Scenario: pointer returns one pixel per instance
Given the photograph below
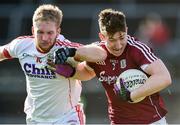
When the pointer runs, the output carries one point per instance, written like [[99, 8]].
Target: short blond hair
[[48, 12]]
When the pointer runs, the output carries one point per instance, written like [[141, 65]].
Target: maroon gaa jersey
[[135, 55]]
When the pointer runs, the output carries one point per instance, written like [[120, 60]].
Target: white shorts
[[162, 121], [74, 116]]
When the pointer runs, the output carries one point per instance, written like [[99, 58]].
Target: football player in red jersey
[[125, 52]]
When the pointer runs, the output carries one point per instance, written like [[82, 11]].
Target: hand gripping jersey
[[135, 55], [49, 96]]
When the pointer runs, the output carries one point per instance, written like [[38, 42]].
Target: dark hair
[[111, 21]]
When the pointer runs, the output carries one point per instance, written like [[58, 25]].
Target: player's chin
[[117, 53], [46, 48]]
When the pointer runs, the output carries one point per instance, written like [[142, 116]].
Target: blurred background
[[155, 22]]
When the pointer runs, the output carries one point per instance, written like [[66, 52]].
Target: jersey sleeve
[[142, 55], [12, 49], [140, 52]]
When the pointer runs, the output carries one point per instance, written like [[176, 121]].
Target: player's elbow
[[102, 55], [167, 79]]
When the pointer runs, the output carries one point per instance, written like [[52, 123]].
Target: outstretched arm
[[160, 78], [90, 53], [84, 72]]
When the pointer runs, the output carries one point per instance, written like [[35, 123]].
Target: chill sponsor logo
[[106, 78], [44, 73]]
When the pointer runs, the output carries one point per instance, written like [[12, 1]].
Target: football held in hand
[[132, 79]]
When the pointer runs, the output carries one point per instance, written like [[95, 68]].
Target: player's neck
[[39, 49]]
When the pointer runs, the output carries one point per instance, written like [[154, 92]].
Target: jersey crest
[[123, 63], [38, 60]]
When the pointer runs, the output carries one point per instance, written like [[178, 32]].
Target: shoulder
[[139, 49], [61, 37], [62, 41], [18, 45], [137, 45], [23, 40]]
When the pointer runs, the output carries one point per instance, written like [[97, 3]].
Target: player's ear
[[126, 29], [101, 36], [59, 30], [32, 30]]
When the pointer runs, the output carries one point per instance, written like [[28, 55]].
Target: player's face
[[116, 43], [45, 33]]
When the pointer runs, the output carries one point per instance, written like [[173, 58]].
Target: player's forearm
[[159, 80], [154, 84], [83, 73], [90, 53]]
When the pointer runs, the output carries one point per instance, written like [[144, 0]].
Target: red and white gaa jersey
[[135, 56], [49, 96]]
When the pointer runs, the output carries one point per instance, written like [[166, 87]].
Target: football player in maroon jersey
[[125, 52]]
